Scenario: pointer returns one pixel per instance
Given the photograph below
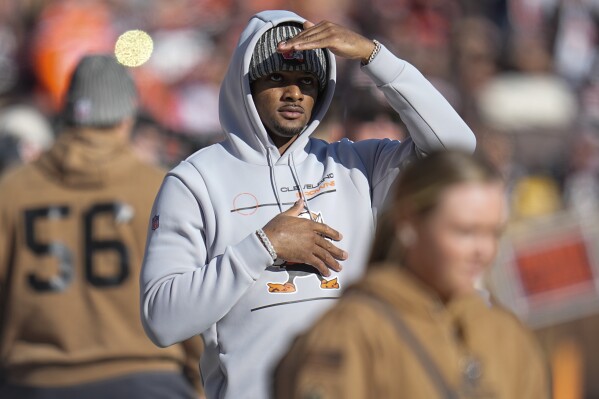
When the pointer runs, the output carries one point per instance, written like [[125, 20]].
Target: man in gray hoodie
[[253, 238]]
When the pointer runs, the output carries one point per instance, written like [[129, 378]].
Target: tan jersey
[[72, 233], [357, 351]]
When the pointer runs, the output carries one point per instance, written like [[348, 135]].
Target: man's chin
[[288, 132]]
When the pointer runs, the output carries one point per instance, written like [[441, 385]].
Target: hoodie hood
[[85, 158], [246, 136]]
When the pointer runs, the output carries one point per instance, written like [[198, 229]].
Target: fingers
[[341, 41], [327, 256], [312, 43], [310, 38], [319, 265], [308, 24], [296, 209], [311, 32], [333, 250], [323, 261], [327, 231]]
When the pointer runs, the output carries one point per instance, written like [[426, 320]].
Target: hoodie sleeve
[[183, 292], [431, 121]]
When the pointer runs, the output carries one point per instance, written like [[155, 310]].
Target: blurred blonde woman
[[415, 326]]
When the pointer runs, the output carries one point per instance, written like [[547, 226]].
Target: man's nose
[[292, 92]]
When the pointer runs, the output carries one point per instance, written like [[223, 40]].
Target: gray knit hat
[[266, 60], [101, 93]]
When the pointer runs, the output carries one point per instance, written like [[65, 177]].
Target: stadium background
[[524, 74]]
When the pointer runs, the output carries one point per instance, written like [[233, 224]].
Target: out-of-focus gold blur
[[133, 48]]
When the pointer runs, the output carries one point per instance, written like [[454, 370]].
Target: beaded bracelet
[[267, 244], [375, 51]]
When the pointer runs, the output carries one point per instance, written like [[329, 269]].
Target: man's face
[[285, 101]]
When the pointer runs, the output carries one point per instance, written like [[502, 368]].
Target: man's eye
[[307, 81], [275, 77]]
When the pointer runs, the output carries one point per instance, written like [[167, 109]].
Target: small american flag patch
[[155, 222]]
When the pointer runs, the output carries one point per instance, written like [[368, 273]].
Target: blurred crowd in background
[[524, 74]]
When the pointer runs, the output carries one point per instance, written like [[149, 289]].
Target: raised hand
[[342, 41], [304, 241]]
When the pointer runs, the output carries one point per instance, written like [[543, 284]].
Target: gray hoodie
[[206, 271]]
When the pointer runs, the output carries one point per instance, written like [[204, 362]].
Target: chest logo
[[245, 204], [300, 270]]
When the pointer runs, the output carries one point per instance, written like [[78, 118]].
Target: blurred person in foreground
[[415, 326], [254, 237], [72, 234]]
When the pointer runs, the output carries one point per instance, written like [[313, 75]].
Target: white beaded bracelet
[[375, 51], [267, 244]]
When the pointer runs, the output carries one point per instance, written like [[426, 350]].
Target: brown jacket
[[72, 235], [354, 350]]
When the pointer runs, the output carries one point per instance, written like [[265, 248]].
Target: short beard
[[286, 132]]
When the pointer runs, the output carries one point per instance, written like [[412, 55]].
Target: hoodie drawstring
[[291, 163], [273, 181]]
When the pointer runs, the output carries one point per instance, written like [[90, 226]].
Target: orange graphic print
[[297, 270]]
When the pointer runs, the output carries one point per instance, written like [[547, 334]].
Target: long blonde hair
[[419, 188]]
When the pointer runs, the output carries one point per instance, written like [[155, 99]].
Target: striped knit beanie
[[101, 93], [266, 60]]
